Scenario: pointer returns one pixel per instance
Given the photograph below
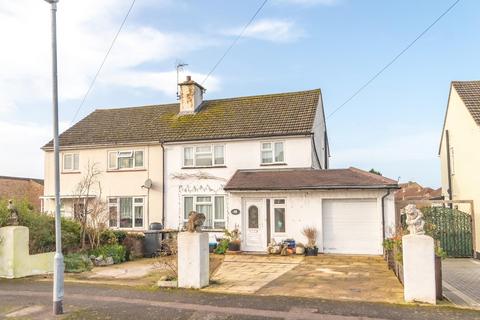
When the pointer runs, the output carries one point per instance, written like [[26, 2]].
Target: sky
[[393, 125]]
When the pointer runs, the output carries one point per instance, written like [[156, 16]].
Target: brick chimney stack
[[191, 96]]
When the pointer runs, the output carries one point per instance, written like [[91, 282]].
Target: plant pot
[[234, 246], [311, 252]]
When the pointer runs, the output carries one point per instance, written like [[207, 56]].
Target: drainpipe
[[449, 167], [383, 212], [163, 184]]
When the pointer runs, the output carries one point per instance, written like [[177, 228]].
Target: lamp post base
[[57, 307]]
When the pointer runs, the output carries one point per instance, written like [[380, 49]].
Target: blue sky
[[393, 125]]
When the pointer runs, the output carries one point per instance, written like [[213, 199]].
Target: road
[[29, 299]]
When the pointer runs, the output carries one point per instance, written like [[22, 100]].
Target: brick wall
[[22, 189]]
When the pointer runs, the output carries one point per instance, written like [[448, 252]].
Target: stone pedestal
[[193, 260], [419, 268]]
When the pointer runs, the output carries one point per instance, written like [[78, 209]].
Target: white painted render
[[126, 183], [464, 136], [305, 208], [239, 154]]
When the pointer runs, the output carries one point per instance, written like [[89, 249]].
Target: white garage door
[[352, 226]]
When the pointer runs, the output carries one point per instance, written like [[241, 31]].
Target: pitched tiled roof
[[266, 115], [301, 179], [469, 92]]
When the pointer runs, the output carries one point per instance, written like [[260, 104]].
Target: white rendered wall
[[113, 182], [239, 154]]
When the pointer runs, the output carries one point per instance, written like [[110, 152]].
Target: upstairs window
[[71, 162], [125, 159], [272, 152], [204, 156]]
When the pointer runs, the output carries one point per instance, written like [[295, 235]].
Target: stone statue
[[13, 217], [415, 222], [195, 221]]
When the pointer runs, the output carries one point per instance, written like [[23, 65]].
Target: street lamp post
[[58, 266]]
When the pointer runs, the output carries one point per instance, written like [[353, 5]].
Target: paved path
[[30, 299], [461, 281]]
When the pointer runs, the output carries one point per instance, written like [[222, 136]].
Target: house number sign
[[235, 212]]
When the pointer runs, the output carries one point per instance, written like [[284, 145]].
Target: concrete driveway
[[360, 278], [461, 281]]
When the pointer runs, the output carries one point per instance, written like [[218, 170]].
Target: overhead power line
[[366, 84], [103, 62], [235, 41]]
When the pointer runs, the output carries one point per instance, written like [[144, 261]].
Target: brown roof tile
[[300, 179], [266, 115], [469, 92]]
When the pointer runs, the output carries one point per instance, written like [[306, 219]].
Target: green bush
[[42, 228], [120, 235], [108, 237], [222, 247], [77, 262], [116, 251]]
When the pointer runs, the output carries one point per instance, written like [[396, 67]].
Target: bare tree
[[87, 203]]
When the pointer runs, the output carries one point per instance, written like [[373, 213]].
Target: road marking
[[466, 298], [292, 314], [23, 312]]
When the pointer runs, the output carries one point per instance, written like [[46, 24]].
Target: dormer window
[[272, 152], [204, 156], [125, 159]]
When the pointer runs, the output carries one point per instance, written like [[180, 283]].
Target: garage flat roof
[[307, 178]]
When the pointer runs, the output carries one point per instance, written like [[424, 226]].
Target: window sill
[[210, 167], [273, 164], [71, 172], [127, 170]]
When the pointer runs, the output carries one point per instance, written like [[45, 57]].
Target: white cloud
[[275, 30], [85, 30], [21, 144]]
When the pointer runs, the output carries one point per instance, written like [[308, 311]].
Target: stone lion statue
[[195, 221], [415, 222], [13, 216]]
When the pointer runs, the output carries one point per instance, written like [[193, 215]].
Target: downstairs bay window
[[213, 207], [126, 212]]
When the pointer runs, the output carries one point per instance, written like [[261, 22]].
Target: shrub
[[42, 228], [116, 251], [222, 247], [120, 235], [108, 237], [77, 262]]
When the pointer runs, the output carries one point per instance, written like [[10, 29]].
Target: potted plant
[[311, 248], [233, 238]]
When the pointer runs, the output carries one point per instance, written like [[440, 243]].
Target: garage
[[352, 226]]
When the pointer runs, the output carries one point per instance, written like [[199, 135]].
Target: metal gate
[[451, 227]]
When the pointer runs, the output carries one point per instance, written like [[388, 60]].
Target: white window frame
[[212, 203], [125, 154], [211, 152], [73, 155], [134, 204], [278, 206], [272, 150]]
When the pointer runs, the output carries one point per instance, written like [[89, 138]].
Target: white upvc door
[[254, 221]]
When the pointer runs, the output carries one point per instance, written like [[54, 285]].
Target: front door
[[255, 225]]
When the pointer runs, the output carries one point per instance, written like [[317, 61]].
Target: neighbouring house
[[459, 153], [258, 163], [17, 188], [414, 191]]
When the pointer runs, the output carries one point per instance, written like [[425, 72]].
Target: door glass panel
[[279, 219], [253, 217]]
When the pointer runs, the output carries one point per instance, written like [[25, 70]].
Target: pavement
[[461, 281], [31, 299], [345, 277]]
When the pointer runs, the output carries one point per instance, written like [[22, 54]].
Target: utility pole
[[58, 266]]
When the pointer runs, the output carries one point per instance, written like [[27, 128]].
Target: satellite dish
[[147, 184]]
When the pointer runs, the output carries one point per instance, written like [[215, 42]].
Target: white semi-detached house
[[257, 163]]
